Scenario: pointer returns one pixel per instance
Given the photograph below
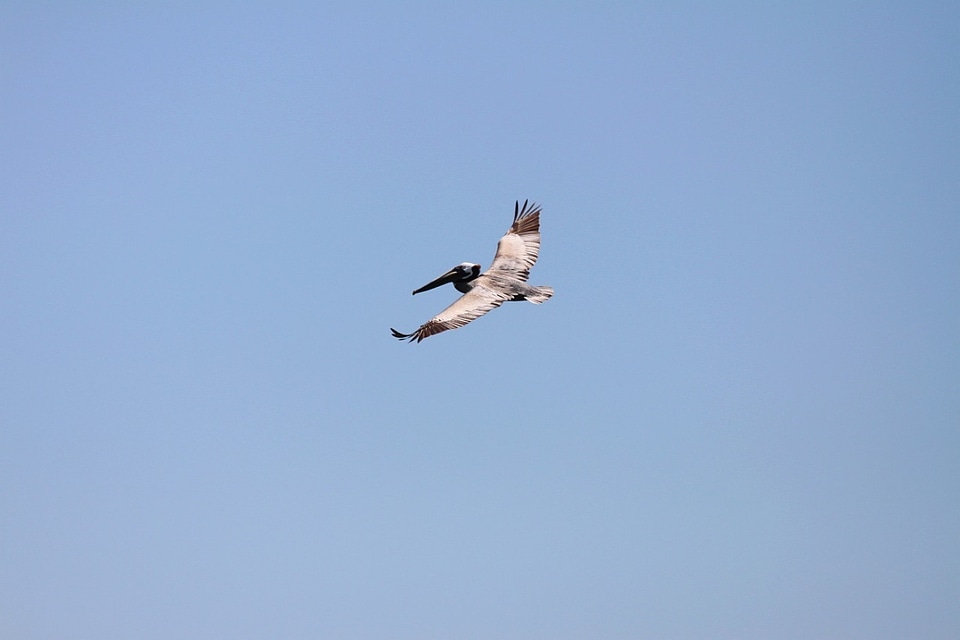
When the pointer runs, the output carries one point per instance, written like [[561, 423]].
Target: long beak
[[444, 279]]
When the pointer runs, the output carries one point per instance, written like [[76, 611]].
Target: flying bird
[[505, 280]]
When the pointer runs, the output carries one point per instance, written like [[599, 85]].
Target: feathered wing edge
[[465, 309], [525, 215], [519, 248], [402, 336]]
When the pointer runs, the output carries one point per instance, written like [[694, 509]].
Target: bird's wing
[[467, 308], [517, 251]]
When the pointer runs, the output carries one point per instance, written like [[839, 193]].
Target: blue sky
[[738, 417]]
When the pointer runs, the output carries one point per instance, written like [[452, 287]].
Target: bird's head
[[463, 272]]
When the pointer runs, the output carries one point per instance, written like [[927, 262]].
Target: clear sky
[[739, 416]]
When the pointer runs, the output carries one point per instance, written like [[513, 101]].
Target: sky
[[738, 417]]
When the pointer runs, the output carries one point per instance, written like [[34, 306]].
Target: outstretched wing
[[517, 251], [467, 308]]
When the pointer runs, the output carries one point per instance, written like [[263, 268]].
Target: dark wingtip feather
[[409, 337], [528, 209]]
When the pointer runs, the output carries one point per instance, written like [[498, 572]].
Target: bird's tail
[[540, 294]]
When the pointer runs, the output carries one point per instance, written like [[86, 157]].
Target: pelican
[[505, 280]]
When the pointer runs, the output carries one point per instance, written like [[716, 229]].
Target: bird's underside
[[505, 280]]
